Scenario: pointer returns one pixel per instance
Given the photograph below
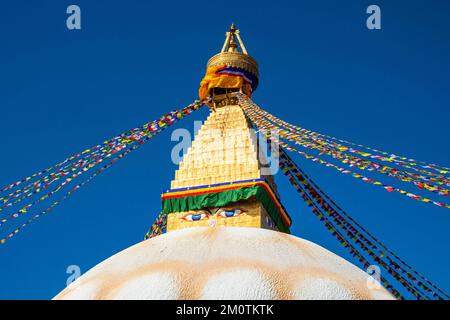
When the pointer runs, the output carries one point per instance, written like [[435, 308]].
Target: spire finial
[[230, 44]]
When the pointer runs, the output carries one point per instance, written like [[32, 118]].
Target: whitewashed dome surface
[[224, 263]]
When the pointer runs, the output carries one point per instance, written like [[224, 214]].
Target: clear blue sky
[[62, 91]]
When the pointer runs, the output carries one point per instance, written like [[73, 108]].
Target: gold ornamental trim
[[234, 59]]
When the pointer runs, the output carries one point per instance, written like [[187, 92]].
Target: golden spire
[[224, 156], [231, 55]]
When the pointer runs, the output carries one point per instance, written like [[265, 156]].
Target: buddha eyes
[[229, 213], [202, 215], [196, 217]]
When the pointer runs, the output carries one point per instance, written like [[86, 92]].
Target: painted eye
[[229, 213], [196, 216]]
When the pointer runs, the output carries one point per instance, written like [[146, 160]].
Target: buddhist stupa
[[228, 234]]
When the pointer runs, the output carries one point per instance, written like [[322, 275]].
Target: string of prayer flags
[[335, 233], [388, 188], [325, 212], [151, 129], [158, 227], [359, 163], [382, 256], [313, 202], [263, 126], [385, 156], [411, 273], [88, 157], [337, 152]]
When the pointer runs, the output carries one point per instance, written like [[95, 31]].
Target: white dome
[[224, 263]]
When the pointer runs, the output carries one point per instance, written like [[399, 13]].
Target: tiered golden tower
[[221, 180]]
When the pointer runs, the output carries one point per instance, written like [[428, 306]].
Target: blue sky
[[62, 91]]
